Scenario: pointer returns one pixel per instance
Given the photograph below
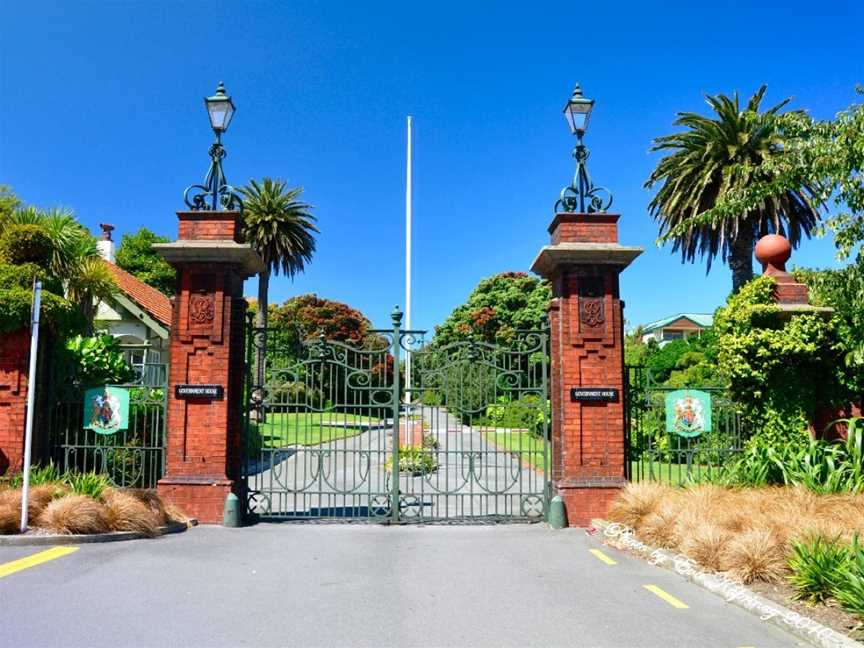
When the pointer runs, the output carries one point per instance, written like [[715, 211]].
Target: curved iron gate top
[[330, 423]]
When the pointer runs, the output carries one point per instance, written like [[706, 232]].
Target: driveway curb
[[116, 536], [772, 612]]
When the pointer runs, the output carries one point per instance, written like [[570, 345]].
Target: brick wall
[[14, 366]]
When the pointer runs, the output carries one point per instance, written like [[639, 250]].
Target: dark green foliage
[[822, 466], [817, 568], [97, 360], [25, 243], [780, 368], [496, 309], [137, 257], [56, 313], [526, 413]]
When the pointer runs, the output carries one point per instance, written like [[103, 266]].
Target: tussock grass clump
[[74, 514], [748, 532], [636, 501], [10, 519], [756, 554], [152, 501], [127, 513]]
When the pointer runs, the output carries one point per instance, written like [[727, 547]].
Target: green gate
[[133, 457], [329, 424], [657, 454]]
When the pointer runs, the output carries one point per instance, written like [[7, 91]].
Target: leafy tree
[[137, 257], [842, 290], [304, 316], [281, 229], [496, 309], [724, 156]]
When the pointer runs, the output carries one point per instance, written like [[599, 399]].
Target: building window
[[672, 335]]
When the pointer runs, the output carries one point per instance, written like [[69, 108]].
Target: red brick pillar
[[207, 349], [14, 367], [586, 317]]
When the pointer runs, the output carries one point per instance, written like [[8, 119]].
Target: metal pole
[[408, 265], [31, 398]]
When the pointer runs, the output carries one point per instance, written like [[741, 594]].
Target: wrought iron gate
[[654, 454], [329, 424], [133, 457]]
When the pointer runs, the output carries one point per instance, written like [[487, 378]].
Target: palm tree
[[281, 229], [719, 159]]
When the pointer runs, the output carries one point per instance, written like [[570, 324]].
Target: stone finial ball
[[773, 250]]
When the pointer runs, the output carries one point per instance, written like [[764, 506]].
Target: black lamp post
[[581, 195], [215, 193]]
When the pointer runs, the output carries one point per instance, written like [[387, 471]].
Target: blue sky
[[101, 111]]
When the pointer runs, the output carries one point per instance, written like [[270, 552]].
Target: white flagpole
[[408, 264], [31, 400]]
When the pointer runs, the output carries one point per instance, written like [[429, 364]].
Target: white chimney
[[106, 245]]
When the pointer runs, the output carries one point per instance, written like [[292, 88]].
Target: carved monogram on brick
[[201, 309], [592, 312]]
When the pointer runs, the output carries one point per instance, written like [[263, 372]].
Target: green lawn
[[664, 472], [530, 447], [312, 428]]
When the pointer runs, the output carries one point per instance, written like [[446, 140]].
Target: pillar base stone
[[584, 503], [199, 497]]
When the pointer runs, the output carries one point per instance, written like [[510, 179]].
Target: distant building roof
[[703, 320], [147, 297]]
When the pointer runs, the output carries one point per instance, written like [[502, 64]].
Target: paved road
[[347, 477], [362, 585]]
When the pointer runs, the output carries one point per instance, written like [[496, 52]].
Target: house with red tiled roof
[[138, 315]]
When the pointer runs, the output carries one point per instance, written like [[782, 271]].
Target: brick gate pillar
[[586, 317], [207, 350]]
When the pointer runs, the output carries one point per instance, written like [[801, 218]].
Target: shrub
[[817, 566], [74, 514], [89, 484], [430, 442], [415, 461], [98, 360], [525, 413], [26, 243]]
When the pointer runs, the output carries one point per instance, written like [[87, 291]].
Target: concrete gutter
[[115, 536]]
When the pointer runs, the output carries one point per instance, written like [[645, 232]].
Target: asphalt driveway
[[298, 584]]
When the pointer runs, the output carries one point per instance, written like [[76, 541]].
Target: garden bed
[[788, 544], [78, 504]]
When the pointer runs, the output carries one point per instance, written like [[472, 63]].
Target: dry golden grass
[[175, 514], [745, 531], [637, 501], [756, 554], [152, 501], [10, 519], [75, 514], [127, 513]]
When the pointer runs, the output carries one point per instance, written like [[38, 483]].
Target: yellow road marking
[[35, 559], [602, 557], [671, 600]]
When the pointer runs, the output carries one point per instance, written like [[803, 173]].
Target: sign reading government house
[[199, 392]]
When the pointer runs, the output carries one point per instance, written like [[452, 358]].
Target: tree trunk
[[741, 257], [261, 338]]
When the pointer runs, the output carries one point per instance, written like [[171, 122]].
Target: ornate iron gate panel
[[654, 454], [330, 423], [131, 458]]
